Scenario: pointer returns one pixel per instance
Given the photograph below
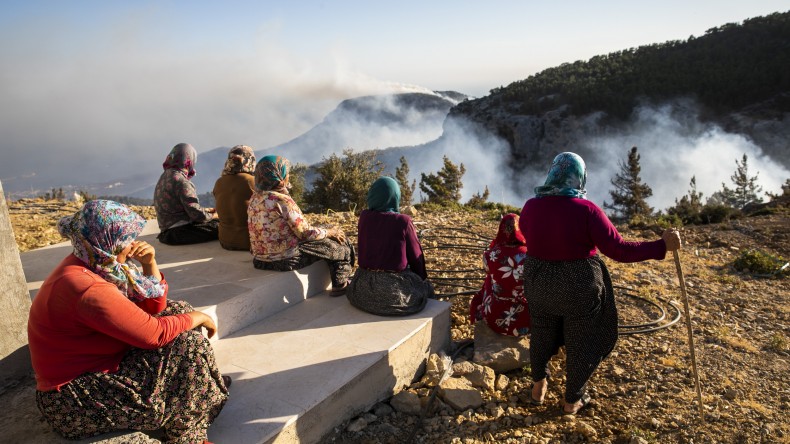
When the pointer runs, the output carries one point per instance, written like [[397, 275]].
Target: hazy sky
[[102, 89]]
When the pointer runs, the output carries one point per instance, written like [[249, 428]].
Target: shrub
[[713, 213], [761, 263]]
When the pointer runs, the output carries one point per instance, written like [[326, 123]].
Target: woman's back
[[232, 195]]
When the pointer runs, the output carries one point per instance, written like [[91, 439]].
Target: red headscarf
[[501, 302]]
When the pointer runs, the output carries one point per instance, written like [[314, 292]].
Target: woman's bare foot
[[539, 389]]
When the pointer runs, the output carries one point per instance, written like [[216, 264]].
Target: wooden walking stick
[[691, 334]]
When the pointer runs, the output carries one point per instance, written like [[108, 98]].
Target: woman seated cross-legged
[[181, 219], [391, 279], [232, 192], [281, 239], [109, 351]]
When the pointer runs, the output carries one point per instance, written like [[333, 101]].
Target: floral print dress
[[277, 226], [501, 302]]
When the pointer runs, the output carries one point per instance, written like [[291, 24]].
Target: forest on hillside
[[731, 66]]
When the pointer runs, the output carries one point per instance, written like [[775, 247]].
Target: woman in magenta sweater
[[568, 287], [391, 279], [109, 351]]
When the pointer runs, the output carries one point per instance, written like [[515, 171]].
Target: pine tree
[[297, 180], [629, 194], [342, 184], [406, 189], [746, 188], [479, 199], [689, 207], [444, 187]]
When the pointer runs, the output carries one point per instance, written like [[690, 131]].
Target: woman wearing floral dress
[[501, 303], [281, 239], [181, 218], [109, 351]]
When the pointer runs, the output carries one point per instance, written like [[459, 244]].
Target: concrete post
[[14, 305]]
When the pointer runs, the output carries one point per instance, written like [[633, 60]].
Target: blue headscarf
[[101, 230], [567, 177], [271, 174], [384, 195]]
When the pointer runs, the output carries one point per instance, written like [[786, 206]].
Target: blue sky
[[85, 83]]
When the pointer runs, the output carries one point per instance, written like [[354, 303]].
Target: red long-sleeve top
[[388, 241], [81, 323], [559, 228]]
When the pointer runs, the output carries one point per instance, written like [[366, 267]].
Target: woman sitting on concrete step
[[110, 352], [181, 219], [391, 279], [281, 239], [232, 192]]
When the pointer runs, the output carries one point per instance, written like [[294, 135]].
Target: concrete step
[[305, 370], [302, 362], [222, 283]]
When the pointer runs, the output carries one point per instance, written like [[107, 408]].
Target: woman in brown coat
[[232, 193]]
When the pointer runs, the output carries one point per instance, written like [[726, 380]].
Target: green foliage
[[444, 187], [669, 221], [342, 183], [758, 262], [629, 193], [785, 192], [714, 213], [296, 178], [729, 67], [54, 195], [689, 208], [406, 189], [746, 187], [479, 200]]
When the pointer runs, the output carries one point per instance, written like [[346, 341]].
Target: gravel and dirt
[[643, 393]]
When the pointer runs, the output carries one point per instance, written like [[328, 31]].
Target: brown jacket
[[232, 194]]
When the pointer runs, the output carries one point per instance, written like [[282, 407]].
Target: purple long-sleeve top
[[559, 228], [388, 241]]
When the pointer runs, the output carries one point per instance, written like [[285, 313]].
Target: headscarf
[[182, 157], [384, 195], [271, 174], [567, 177], [509, 234], [241, 159], [101, 230]]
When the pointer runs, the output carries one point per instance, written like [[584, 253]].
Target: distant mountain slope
[[361, 123]]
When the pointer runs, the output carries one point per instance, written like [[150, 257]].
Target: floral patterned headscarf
[[241, 159], [182, 157], [567, 177], [271, 174], [101, 230], [384, 195]]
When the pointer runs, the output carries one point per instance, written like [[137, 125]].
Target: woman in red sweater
[[109, 351], [391, 279], [568, 287]]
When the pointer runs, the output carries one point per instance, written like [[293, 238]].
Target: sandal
[[532, 400], [585, 402], [339, 291], [227, 380]]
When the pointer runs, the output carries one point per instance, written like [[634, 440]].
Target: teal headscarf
[[384, 195], [567, 177], [271, 174]]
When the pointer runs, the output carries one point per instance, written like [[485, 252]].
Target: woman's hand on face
[[142, 252], [671, 238]]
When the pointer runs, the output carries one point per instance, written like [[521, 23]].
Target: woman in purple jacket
[[568, 287], [391, 279]]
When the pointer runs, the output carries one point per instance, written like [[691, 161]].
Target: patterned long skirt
[[572, 303], [339, 257], [387, 293], [177, 387]]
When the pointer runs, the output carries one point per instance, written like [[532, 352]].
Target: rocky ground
[[643, 393]]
